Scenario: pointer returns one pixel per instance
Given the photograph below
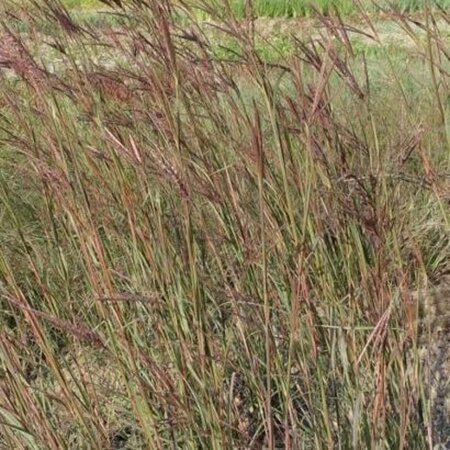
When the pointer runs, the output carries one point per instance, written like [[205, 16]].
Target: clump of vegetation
[[205, 251]]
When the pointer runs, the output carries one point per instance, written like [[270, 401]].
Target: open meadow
[[224, 224]]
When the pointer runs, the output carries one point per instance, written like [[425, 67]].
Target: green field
[[281, 8], [217, 234], [276, 8], [86, 4]]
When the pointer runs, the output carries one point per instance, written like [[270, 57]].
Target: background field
[[288, 8], [87, 4], [274, 8]]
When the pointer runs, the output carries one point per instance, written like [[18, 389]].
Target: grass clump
[[209, 252]]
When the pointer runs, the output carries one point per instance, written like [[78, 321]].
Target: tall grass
[[205, 253]]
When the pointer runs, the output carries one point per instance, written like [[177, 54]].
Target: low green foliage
[[83, 4], [293, 8]]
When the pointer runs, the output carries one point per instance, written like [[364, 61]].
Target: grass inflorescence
[[206, 243]]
